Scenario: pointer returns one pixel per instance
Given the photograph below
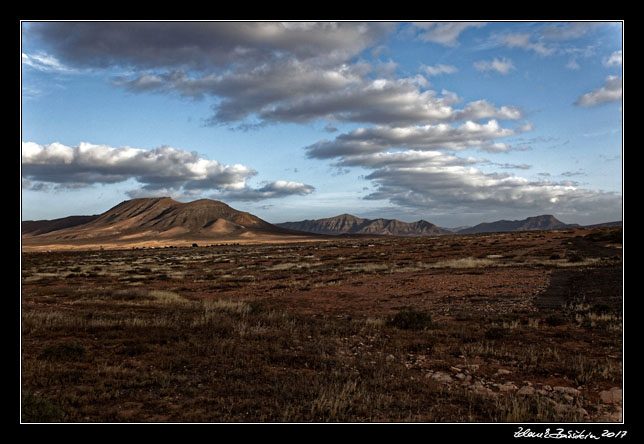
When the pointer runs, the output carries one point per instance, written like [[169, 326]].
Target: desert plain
[[507, 327]]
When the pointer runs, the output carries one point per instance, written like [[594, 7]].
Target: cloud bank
[[164, 170], [264, 72], [610, 92], [258, 73], [426, 137]]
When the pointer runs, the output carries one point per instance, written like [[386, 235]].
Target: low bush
[[495, 333], [37, 409], [410, 319], [63, 352]]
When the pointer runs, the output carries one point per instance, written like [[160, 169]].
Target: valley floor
[[505, 328]]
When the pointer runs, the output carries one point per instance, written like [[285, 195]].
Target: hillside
[[155, 222], [36, 227], [348, 224], [544, 222]]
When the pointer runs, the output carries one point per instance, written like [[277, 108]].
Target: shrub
[[555, 320], [37, 409], [601, 309], [410, 319], [575, 257], [64, 351], [495, 333]]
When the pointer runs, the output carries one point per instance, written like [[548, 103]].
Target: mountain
[[163, 221], [544, 222], [348, 224], [154, 222], [35, 227], [617, 223]]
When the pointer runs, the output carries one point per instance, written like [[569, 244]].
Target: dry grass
[[251, 334]]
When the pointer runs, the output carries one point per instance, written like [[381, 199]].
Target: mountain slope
[[348, 224], [36, 227], [157, 221], [544, 222]]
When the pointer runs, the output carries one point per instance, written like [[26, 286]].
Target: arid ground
[[505, 327]]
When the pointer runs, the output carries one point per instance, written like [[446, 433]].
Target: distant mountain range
[[163, 221], [544, 222], [348, 224]]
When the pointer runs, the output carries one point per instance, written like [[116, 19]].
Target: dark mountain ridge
[[36, 227], [348, 224], [543, 222]]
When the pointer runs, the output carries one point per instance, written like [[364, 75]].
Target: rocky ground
[[501, 327]]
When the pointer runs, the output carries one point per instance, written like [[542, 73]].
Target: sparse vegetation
[[411, 319], [403, 330]]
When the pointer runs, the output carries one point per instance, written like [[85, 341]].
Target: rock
[[507, 387], [612, 396], [526, 390], [472, 367], [567, 390], [478, 387], [442, 377], [615, 416], [503, 371], [561, 408]]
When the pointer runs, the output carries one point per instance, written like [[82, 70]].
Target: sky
[[456, 123]]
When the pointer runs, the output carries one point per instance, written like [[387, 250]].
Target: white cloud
[[163, 166], [259, 73], [269, 190], [444, 33], [573, 64], [407, 158], [502, 66], [165, 170], [296, 92], [524, 41], [44, 62], [385, 101], [439, 69], [610, 92], [615, 59], [410, 170], [445, 185], [441, 136], [567, 30]]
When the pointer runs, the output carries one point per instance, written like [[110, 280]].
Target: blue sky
[[453, 122]]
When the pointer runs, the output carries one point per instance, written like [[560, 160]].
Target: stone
[[472, 367], [614, 416], [612, 396], [507, 387], [477, 386], [526, 390], [442, 377], [567, 390]]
